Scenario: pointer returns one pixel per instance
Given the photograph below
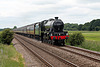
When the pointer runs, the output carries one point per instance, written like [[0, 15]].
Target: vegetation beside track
[[0, 32], [9, 57], [92, 40], [6, 36], [91, 45]]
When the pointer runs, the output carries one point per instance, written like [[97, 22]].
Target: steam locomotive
[[49, 31]]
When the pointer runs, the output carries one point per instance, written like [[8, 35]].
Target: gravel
[[82, 52], [30, 60], [79, 60]]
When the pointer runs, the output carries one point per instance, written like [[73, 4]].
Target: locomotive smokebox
[[58, 25]]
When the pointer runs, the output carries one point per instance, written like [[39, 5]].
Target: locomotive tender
[[49, 31]]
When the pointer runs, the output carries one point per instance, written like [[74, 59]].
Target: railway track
[[83, 52], [88, 56], [36, 54], [61, 60]]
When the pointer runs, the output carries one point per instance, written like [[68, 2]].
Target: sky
[[24, 12]]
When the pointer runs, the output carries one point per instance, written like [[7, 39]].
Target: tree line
[[93, 25], [9, 28], [1, 29]]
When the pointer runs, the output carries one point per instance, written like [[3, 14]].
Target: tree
[[86, 26], [1, 29], [15, 27], [97, 28], [7, 36], [80, 27], [69, 26], [94, 24]]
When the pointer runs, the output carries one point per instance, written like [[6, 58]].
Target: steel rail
[[85, 50], [56, 56], [88, 51], [36, 54]]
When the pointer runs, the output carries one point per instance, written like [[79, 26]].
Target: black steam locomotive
[[49, 31]]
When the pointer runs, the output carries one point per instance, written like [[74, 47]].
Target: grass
[[90, 35], [9, 57], [0, 32], [92, 40], [91, 45]]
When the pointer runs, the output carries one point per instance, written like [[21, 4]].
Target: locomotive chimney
[[56, 18]]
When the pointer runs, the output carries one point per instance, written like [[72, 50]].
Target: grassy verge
[[91, 45], [9, 57], [0, 31], [92, 40]]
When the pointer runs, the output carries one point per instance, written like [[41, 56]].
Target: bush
[[0, 38], [76, 39], [6, 36]]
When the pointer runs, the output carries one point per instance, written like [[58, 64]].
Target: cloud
[[88, 1], [24, 12], [43, 2]]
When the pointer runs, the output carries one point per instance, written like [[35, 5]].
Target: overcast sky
[[23, 12]]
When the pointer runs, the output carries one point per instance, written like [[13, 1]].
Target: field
[[90, 35], [9, 57], [92, 40]]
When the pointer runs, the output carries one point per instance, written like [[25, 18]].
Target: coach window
[[37, 29]]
